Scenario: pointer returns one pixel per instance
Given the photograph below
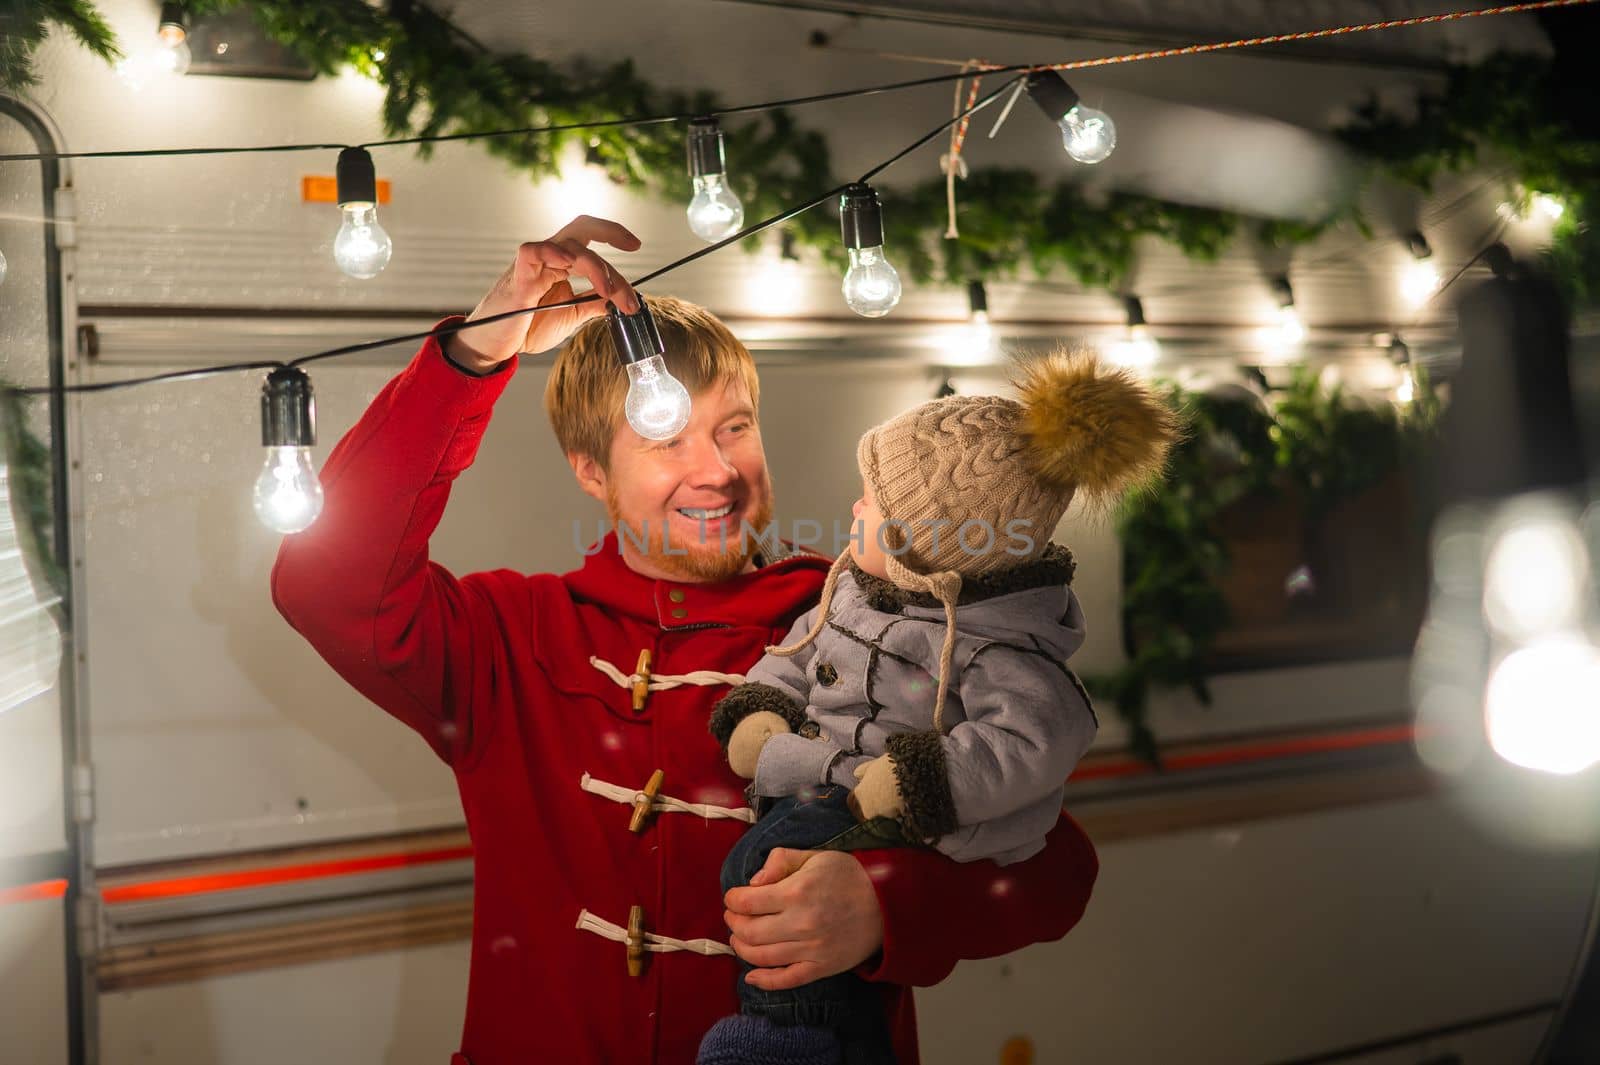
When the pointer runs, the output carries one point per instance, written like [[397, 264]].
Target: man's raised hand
[[539, 276]]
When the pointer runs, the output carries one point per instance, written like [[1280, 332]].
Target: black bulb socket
[[288, 409], [1134, 309], [1052, 93], [356, 178], [1417, 245], [174, 25], [705, 148], [1283, 292], [860, 217], [977, 298], [635, 336]]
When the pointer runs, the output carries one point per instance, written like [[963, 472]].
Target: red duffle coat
[[493, 670]]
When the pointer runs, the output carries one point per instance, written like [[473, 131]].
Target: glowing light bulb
[[1536, 577], [1547, 205], [1406, 391], [1419, 280], [658, 405], [871, 285], [1539, 706], [1088, 135], [288, 495], [715, 212], [361, 248], [172, 59]]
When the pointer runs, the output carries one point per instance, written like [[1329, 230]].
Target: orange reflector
[[45, 889], [324, 188], [283, 874]]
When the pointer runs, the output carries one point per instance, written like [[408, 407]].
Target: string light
[[361, 248], [173, 33], [657, 405], [1088, 135], [1137, 349], [288, 495], [871, 285], [981, 332], [714, 212], [169, 54], [1288, 331], [1420, 279]]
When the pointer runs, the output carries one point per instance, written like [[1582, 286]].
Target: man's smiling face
[[690, 493]]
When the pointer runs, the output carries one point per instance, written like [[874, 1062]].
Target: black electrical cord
[[935, 79], [456, 327]]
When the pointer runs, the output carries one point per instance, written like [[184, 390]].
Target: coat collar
[[1054, 567], [785, 583]]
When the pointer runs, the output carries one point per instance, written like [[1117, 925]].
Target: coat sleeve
[[1027, 724], [358, 584], [937, 912]]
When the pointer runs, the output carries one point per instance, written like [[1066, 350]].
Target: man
[[595, 939]]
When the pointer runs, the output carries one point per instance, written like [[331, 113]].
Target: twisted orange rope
[[952, 161], [1303, 35]]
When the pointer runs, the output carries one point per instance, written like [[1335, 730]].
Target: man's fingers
[[782, 979], [773, 955], [770, 928], [540, 254], [755, 901], [602, 276], [586, 228]]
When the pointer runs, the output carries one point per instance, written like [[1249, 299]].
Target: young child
[[926, 700]]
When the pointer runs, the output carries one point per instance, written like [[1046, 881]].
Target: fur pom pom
[[1092, 427]]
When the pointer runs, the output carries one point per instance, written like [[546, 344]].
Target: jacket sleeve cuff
[[468, 392], [746, 699], [919, 771]]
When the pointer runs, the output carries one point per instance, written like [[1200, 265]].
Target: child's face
[[868, 552]]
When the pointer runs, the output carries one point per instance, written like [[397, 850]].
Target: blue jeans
[[844, 1002]]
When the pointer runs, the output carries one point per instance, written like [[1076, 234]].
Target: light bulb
[[1548, 205], [1406, 391], [288, 494], [1419, 280], [362, 248], [715, 212], [871, 286], [1539, 706], [172, 59], [1536, 577], [658, 405], [1088, 135], [1137, 350]]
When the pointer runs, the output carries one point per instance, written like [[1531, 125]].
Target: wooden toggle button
[[636, 941], [641, 686], [642, 805]]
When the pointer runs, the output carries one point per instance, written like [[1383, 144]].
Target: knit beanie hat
[[950, 477]]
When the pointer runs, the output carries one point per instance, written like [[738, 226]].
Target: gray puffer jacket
[[1017, 720]]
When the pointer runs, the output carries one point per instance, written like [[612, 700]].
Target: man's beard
[[698, 561]]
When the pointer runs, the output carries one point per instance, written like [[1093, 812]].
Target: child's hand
[[749, 736], [877, 792]]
